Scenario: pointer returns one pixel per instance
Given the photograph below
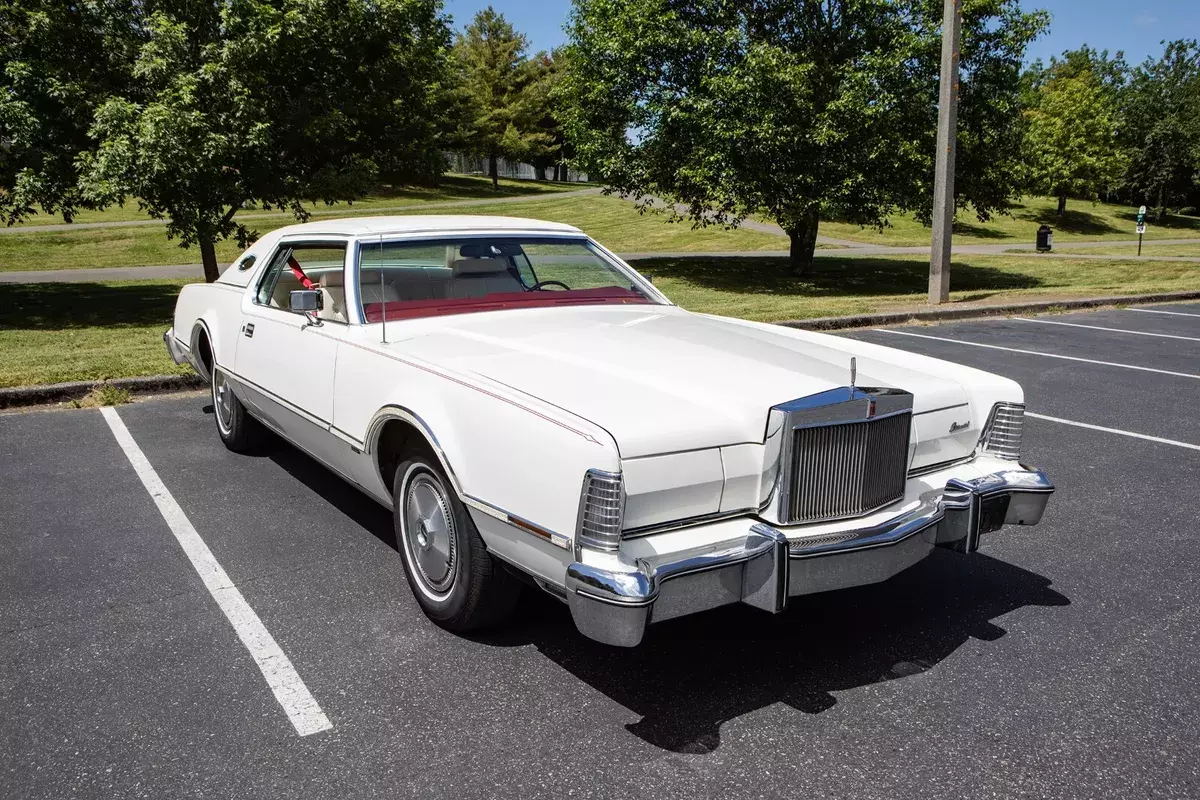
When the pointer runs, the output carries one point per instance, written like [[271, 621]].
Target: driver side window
[[323, 265]]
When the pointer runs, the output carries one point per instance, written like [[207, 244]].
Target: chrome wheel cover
[[222, 400], [429, 535]]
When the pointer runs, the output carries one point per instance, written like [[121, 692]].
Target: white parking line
[[1099, 328], [1156, 311], [1113, 430], [298, 703], [1036, 353]]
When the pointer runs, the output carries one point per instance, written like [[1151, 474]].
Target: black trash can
[[1045, 239]]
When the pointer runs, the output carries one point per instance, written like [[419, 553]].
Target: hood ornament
[[853, 370]]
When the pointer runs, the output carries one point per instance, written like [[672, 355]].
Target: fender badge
[[959, 426]]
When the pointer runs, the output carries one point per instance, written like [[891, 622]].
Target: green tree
[[795, 110], [1072, 138], [268, 104], [493, 74], [1162, 126], [59, 62], [539, 102]]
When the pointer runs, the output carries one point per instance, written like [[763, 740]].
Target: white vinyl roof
[[422, 223]]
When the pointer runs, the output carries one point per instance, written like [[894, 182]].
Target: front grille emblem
[[871, 408]]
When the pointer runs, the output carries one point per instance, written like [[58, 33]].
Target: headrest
[[487, 249], [479, 266], [332, 278]]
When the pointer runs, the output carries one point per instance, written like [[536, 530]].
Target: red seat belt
[[299, 273]]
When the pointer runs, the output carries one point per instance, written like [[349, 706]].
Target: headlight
[[601, 510], [1002, 435]]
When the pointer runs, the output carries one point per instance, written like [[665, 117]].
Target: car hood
[[660, 379]]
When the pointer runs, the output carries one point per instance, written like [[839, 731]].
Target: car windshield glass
[[407, 279]]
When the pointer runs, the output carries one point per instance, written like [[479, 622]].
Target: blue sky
[[1135, 26]]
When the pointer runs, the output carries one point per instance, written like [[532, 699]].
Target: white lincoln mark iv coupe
[[532, 408]]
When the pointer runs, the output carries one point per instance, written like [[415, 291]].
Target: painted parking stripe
[[1036, 353], [1113, 430], [298, 703], [1156, 311], [1099, 328]]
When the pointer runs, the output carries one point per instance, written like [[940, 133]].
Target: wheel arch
[[396, 431], [203, 350]]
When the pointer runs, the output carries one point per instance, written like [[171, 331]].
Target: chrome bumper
[[178, 351], [766, 566]]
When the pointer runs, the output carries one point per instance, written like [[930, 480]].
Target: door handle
[[248, 329]]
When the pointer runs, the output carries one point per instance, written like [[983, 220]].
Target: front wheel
[[455, 580], [239, 431]]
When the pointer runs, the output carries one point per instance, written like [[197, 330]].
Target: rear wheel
[[453, 577], [239, 431]]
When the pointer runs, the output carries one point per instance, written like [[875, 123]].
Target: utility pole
[[943, 178]]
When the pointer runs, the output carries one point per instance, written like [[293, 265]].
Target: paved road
[[342, 211], [1059, 662]]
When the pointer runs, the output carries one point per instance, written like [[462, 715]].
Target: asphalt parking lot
[[1060, 661]]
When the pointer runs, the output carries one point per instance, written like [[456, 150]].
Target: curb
[[60, 392], [979, 312]]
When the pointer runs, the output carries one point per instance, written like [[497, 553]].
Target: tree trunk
[[560, 172], [539, 172], [493, 171], [1062, 204], [803, 242], [1161, 210], [208, 256]]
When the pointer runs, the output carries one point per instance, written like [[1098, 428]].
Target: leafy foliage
[[494, 74], [213, 107], [1072, 137], [1162, 126], [798, 110], [60, 60]]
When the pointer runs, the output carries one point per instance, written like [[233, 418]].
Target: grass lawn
[[1149, 248], [1082, 222], [452, 187], [761, 289], [90, 331], [54, 332], [612, 221]]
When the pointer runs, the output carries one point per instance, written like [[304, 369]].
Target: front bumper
[[764, 566]]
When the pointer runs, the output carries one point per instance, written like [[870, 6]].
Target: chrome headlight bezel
[[601, 511], [1001, 437]]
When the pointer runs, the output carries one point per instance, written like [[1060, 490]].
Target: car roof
[[423, 223]]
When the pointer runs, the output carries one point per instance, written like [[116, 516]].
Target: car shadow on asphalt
[[692, 675]]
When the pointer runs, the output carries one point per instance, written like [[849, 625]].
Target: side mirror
[[306, 301]]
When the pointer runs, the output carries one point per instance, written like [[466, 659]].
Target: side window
[[323, 266]]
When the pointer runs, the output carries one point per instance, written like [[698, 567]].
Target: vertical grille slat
[[848, 469]]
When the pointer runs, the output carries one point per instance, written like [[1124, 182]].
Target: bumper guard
[[765, 567]]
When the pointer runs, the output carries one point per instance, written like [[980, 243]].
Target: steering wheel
[[538, 286]]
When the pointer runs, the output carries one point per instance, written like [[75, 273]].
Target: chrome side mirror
[[305, 301]]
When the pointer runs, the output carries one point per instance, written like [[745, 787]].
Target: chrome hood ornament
[[853, 370]]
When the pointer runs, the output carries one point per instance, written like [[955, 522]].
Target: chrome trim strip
[[684, 522], [295, 409], [943, 408], [916, 472]]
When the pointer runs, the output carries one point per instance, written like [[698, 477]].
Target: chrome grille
[[848, 469]]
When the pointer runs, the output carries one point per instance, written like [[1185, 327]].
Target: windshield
[[455, 276]]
